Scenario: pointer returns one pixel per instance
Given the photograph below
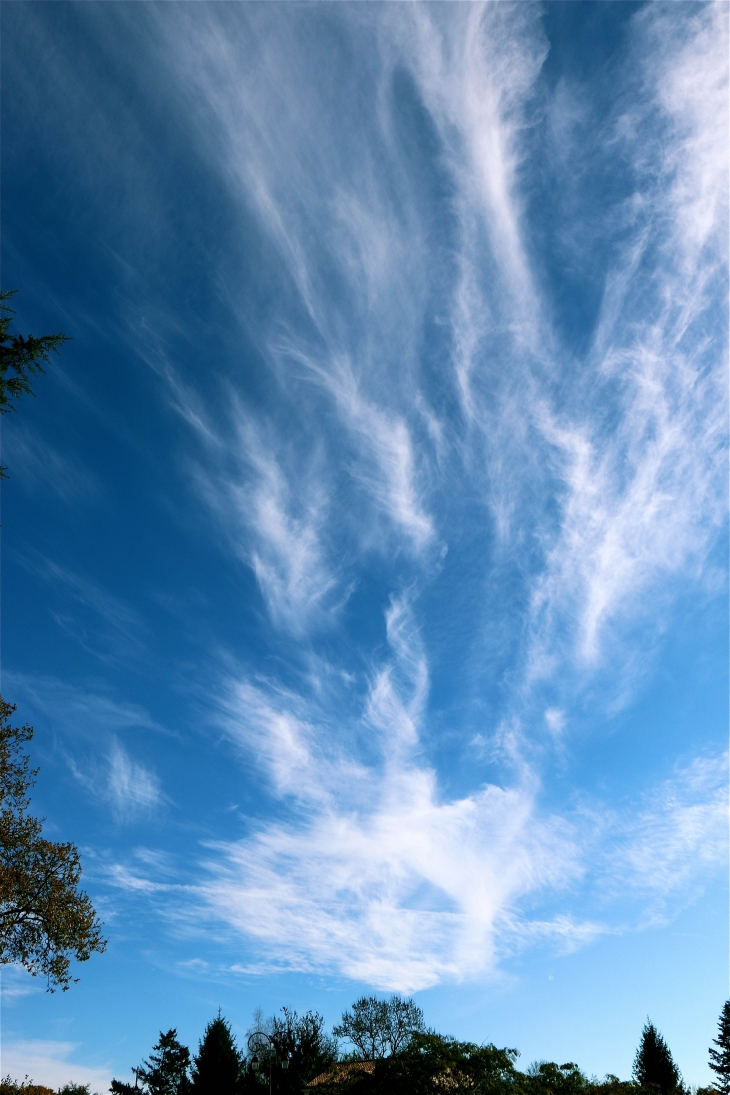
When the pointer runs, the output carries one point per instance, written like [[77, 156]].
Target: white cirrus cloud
[[131, 787], [389, 464], [286, 550], [380, 876], [360, 344], [77, 710], [38, 465], [476, 69], [272, 510], [602, 469], [641, 450], [679, 835], [102, 623], [128, 787]]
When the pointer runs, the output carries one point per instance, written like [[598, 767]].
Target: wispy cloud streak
[[422, 403], [679, 836], [381, 877], [644, 496], [273, 516]]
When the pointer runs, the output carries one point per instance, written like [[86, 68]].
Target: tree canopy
[[45, 918], [8, 1086], [720, 1057], [380, 1028], [303, 1042], [432, 1062], [425, 1063]]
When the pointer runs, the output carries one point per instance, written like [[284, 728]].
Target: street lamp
[[261, 1045]]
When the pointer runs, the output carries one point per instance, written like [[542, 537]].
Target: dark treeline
[[383, 1047]]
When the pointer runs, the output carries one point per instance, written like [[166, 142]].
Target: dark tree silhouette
[[547, 1078], [21, 356], [380, 1028], [720, 1057], [9, 1086], [217, 1064], [429, 1064], [653, 1064], [166, 1072], [304, 1043]]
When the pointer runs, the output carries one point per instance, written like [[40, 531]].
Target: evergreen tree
[[653, 1064], [20, 358], [166, 1072], [720, 1057], [217, 1064]]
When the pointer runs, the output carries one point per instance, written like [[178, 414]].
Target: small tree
[[20, 358], [166, 1072], [653, 1064], [547, 1078], [217, 1064], [380, 1028], [304, 1043], [45, 919], [720, 1057]]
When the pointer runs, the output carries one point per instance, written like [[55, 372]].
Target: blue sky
[[364, 561]]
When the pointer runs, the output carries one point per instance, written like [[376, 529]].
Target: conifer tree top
[[720, 1057], [217, 1064], [653, 1064]]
